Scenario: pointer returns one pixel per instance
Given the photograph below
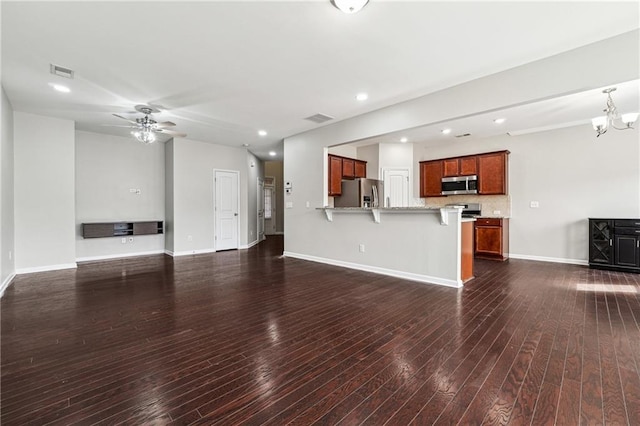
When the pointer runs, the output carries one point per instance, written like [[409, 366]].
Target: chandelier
[[613, 118]]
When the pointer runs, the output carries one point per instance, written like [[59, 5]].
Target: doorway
[[396, 187], [269, 205], [261, 215], [226, 207]]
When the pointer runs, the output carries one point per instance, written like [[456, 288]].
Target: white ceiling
[[223, 70]]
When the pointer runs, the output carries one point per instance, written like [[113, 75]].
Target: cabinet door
[[492, 173], [348, 168], [431, 179], [600, 241], [626, 250], [489, 240], [450, 167], [468, 166], [360, 169], [335, 175]]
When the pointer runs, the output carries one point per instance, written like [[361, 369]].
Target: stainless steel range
[[468, 209]]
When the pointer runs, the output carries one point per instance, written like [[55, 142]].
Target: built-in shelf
[[121, 229]]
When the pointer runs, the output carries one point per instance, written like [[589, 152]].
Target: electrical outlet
[[189, 237], [361, 248], [124, 240], [496, 212], [289, 204], [308, 204], [534, 204]]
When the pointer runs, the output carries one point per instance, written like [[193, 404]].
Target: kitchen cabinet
[[343, 168], [335, 175], [492, 173], [431, 178], [360, 169], [463, 166], [492, 238], [614, 244], [348, 168]]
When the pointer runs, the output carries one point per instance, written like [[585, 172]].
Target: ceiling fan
[[145, 128]]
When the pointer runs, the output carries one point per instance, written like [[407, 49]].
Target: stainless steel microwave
[[460, 185]]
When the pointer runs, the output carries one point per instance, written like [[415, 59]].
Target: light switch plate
[[289, 204]]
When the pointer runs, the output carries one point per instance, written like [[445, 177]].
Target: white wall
[[44, 192], [7, 241], [193, 166], [348, 151], [569, 72], [169, 221], [107, 168], [371, 154]]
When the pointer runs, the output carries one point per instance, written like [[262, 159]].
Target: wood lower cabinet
[[431, 178], [492, 173], [615, 244], [492, 238]]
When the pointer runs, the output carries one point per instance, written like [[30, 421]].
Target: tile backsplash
[[491, 204]]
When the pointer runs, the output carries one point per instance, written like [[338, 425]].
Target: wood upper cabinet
[[492, 173], [348, 168], [344, 168], [463, 166], [335, 175], [360, 168], [431, 178]]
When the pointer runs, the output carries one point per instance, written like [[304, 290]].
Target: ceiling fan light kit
[[601, 124], [349, 6], [146, 127]]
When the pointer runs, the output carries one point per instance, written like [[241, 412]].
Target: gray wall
[[169, 221], [7, 241], [107, 168], [193, 166], [255, 169], [569, 72], [371, 154], [44, 192], [276, 170]]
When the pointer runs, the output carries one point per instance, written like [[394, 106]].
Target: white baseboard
[[21, 271], [549, 259], [376, 270], [118, 256], [248, 246], [277, 233], [188, 252], [6, 284]]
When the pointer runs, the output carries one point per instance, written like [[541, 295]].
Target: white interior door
[[226, 209], [396, 187], [261, 214], [269, 205]]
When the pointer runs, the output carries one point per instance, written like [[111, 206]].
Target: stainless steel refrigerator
[[365, 193]]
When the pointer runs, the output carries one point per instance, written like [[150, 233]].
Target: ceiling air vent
[[61, 71], [319, 118], [463, 135]]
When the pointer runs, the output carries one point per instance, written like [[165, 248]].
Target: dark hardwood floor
[[249, 337]]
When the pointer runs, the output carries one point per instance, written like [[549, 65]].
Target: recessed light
[[499, 120], [446, 131], [272, 153], [60, 88], [262, 132], [403, 140], [362, 96]]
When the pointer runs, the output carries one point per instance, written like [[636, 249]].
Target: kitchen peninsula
[[422, 244]]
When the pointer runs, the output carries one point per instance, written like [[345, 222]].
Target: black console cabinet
[[615, 244]]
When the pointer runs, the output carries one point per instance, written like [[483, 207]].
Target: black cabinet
[[615, 244]]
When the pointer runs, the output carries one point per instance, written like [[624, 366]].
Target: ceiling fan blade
[[172, 133], [118, 125], [124, 118], [164, 124]]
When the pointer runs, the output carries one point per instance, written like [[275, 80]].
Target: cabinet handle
[[610, 242]]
